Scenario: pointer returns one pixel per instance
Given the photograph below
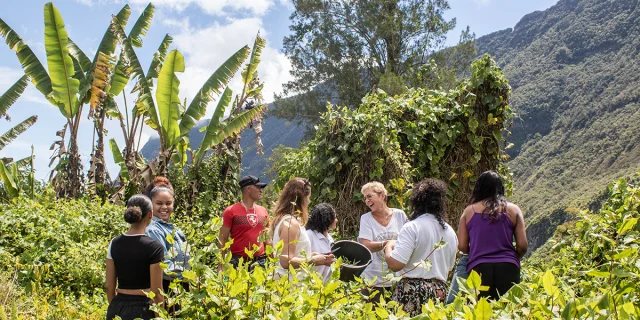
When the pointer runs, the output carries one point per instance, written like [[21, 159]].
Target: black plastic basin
[[352, 251]]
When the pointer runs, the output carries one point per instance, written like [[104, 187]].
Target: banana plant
[[250, 97], [60, 86], [72, 81], [8, 168], [167, 114]]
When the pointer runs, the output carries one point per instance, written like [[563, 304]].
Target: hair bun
[[162, 182], [133, 214]]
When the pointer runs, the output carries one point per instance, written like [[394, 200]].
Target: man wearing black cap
[[244, 221]]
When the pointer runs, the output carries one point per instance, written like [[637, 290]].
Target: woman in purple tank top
[[486, 232]]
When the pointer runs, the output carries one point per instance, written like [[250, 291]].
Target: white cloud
[[206, 49], [218, 7]]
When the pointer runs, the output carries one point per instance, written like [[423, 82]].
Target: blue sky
[[205, 31]]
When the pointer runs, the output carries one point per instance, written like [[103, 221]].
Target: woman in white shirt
[[290, 214], [377, 227], [417, 242], [322, 219]]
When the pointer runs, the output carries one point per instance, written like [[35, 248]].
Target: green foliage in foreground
[[589, 270]]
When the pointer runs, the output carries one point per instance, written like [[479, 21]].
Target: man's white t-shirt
[[371, 230], [417, 239]]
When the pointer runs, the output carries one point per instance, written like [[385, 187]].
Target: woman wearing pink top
[[486, 232]]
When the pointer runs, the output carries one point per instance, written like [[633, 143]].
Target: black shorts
[[129, 307], [499, 277]]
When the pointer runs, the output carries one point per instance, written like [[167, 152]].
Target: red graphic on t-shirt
[[253, 219]]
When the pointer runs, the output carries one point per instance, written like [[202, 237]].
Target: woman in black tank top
[[133, 263]]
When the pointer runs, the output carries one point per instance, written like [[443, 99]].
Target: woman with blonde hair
[[377, 228], [290, 215]]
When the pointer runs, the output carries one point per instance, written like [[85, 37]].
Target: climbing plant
[[451, 135]]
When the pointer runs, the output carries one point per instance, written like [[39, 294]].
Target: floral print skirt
[[412, 293]]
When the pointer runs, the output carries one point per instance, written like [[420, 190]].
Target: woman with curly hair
[[486, 232], [289, 217], [419, 242], [322, 219]]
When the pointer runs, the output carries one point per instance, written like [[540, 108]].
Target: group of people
[[420, 248]]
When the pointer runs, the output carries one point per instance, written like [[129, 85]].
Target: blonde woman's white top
[[371, 230], [303, 246]]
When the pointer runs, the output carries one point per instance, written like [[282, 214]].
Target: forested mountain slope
[[575, 74]]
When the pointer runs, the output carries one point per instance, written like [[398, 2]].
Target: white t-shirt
[[417, 239], [322, 245], [371, 230]]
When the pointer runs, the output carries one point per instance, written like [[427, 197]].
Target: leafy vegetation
[[452, 135], [16, 176], [588, 270]]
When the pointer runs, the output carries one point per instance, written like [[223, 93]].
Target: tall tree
[[342, 49]]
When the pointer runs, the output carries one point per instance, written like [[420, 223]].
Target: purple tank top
[[491, 242]]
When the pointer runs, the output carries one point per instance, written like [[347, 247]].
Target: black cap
[[251, 181]]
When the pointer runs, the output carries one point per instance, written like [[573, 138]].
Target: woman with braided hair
[[133, 263], [486, 231], [418, 241]]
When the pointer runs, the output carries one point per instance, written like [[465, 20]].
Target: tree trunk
[[98, 159], [391, 36], [73, 185]]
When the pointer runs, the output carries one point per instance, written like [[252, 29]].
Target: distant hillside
[[575, 74], [275, 132]]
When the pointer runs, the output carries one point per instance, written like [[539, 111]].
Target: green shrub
[[398, 140], [589, 270]]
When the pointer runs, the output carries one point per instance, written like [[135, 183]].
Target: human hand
[[390, 245], [323, 259]]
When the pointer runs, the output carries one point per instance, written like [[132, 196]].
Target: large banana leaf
[[12, 94], [214, 125], [218, 80], [119, 160], [119, 78], [108, 42], [179, 157], [9, 183], [141, 26], [83, 61], [29, 61], [250, 69], [65, 87], [228, 129], [14, 132], [167, 97], [144, 104], [24, 161], [158, 57], [100, 77], [81, 65]]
